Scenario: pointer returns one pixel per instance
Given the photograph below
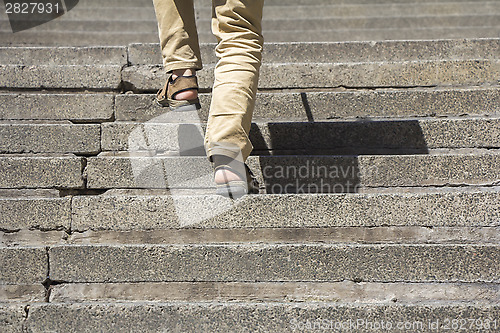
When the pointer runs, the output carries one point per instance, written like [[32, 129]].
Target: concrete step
[[49, 137], [279, 174], [376, 9], [140, 210], [23, 265], [340, 137], [297, 12], [313, 52], [22, 210], [103, 77], [76, 107], [247, 317], [52, 38], [320, 106], [273, 76], [321, 52], [64, 56], [41, 171], [411, 234], [439, 215], [354, 75], [273, 263], [202, 3], [280, 23], [358, 137], [347, 291], [287, 106], [297, 174], [375, 34]]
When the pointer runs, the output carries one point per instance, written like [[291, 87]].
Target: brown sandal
[[166, 95]]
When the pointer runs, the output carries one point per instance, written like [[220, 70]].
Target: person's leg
[[178, 40], [237, 26]]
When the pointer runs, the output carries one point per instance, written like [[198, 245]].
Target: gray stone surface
[[63, 56], [319, 106], [275, 262], [421, 170], [356, 75], [345, 137], [80, 38], [27, 237], [278, 234], [147, 212], [148, 172], [309, 23], [23, 265], [388, 22], [22, 293], [75, 107], [48, 76], [296, 12], [49, 137], [246, 317], [298, 174], [346, 291], [149, 54], [12, 317], [35, 213], [41, 171]]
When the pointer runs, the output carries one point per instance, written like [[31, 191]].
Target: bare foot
[[188, 94]]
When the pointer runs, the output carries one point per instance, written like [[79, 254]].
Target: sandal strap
[[174, 86]]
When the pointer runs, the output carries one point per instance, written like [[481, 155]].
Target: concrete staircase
[[376, 137]]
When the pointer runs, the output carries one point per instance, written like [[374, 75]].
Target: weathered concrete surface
[[63, 56], [81, 38], [422, 170], [49, 137], [12, 318], [35, 213], [275, 262], [331, 75], [76, 107], [23, 265], [32, 238], [280, 23], [70, 77], [343, 137], [41, 171], [321, 52], [247, 317], [278, 234], [146, 212], [297, 174], [22, 293], [320, 106], [346, 291], [296, 12]]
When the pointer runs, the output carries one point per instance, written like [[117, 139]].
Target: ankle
[[183, 72], [188, 94]]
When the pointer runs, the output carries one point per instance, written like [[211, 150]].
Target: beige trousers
[[237, 26]]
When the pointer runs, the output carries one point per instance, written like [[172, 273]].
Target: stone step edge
[[123, 54], [371, 235], [346, 292]]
